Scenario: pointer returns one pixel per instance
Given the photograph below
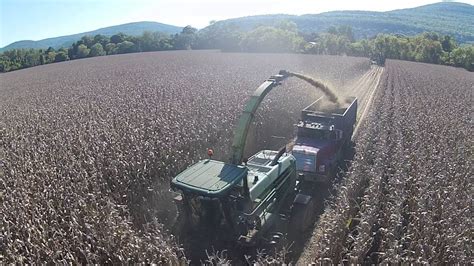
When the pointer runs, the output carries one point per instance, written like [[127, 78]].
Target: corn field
[[88, 148], [407, 197]]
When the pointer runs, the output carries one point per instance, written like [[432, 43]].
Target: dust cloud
[[315, 83]]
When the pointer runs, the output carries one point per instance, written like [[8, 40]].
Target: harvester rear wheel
[[301, 216]]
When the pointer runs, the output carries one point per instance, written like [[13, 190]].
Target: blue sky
[[40, 19]]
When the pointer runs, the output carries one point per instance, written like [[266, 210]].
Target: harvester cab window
[[260, 161], [205, 210]]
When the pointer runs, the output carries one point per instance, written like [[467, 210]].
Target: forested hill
[[133, 29], [456, 19]]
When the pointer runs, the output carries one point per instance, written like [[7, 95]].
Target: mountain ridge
[[132, 28], [450, 18]]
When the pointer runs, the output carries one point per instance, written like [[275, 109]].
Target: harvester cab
[[239, 199], [208, 190]]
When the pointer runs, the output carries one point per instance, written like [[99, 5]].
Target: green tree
[[50, 49], [360, 48], [153, 41], [125, 47], [102, 39], [186, 39], [189, 30], [332, 30], [50, 57], [117, 38], [61, 56], [165, 42], [111, 48], [82, 51], [336, 41], [97, 50], [428, 50], [271, 39], [448, 43], [333, 44], [346, 31], [463, 57], [5, 63], [224, 36], [287, 25], [32, 58], [87, 40], [42, 59], [148, 42]]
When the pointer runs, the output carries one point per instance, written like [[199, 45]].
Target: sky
[[40, 19]]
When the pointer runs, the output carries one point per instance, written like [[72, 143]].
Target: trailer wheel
[[302, 213]]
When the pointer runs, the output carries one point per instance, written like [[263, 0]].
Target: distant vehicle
[[377, 59]]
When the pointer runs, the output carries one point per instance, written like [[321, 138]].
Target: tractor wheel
[[301, 216]]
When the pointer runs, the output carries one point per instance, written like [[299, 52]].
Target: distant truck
[[377, 59], [322, 134]]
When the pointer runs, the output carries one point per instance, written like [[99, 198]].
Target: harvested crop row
[[88, 146], [328, 242]]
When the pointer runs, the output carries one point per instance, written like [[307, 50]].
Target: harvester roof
[[209, 177]]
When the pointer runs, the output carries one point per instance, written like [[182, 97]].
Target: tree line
[[98, 45], [284, 36], [427, 47]]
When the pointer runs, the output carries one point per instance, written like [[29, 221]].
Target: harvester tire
[[301, 216]]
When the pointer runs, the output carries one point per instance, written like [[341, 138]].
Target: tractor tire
[[301, 216]]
